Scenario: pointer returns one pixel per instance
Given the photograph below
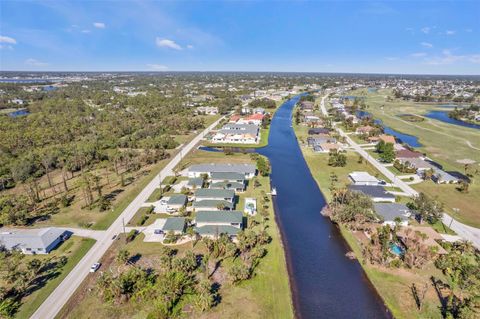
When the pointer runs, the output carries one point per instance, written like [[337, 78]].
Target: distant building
[[197, 170]]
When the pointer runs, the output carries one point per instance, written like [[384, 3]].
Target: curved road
[[466, 232], [59, 297]]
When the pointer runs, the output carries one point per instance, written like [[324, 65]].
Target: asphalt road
[[466, 232], [59, 297]]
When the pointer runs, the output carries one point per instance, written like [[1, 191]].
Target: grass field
[[443, 142], [74, 249]]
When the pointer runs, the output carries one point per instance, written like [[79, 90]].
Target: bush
[[131, 235]]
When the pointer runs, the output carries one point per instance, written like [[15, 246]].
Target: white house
[[363, 178], [32, 241]]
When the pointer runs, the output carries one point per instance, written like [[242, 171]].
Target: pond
[[443, 117], [410, 140]]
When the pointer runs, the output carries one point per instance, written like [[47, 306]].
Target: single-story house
[[218, 194], [320, 139], [364, 129], [214, 223], [441, 177], [307, 105], [387, 138], [212, 204], [406, 153], [248, 170], [318, 130], [389, 212], [326, 147], [235, 186], [419, 164], [376, 193], [363, 178], [176, 201], [32, 241], [195, 182], [176, 225], [227, 177]]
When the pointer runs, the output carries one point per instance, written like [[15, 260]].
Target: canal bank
[[324, 282]]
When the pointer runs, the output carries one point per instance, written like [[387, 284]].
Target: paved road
[[466, 232], [57, 299]]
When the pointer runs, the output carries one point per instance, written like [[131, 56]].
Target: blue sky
[[305, 36]]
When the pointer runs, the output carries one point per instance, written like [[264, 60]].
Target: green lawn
[[74, 249]]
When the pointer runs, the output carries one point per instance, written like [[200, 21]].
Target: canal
[[325, 283]]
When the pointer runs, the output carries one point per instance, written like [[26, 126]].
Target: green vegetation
[[33, 278]]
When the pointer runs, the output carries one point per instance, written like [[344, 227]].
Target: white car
[[95, 267]]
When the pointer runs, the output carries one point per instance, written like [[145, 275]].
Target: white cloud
[[450, 32], [5, 39], [35, 63], [166, 43], [426, 30], [6, 47], [426, 45], [189, 46], [99, 25], [86, 31], [157, 67], [418, 54], [474, 58]]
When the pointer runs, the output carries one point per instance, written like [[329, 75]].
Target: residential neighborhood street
[[466, 232], [57, 299]]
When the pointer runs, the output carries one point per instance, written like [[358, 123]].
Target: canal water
[[325, 283]]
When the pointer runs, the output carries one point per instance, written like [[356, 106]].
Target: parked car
[[95, 267]]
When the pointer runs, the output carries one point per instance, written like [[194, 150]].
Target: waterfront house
[[214, 194], [363, 178], [376, 193], [390, 213], [32, 241], [387, 138], [197, 170], [212, 205], [214, 223], [318, 130], [364, 129], [406, 153]]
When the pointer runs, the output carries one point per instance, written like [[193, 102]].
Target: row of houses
[[240, 130], [214, 200]]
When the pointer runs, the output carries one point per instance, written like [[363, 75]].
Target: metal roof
[[215, 193], [29, 238], [223, 168]]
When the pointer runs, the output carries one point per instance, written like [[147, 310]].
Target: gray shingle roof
[[217, 230], [215, 193], [177, 199], [174, 224], [371, 191], [196, 181], [212, 203], [227, 185], [227, 176], [390, 211], [219, 217], [223, 168]]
